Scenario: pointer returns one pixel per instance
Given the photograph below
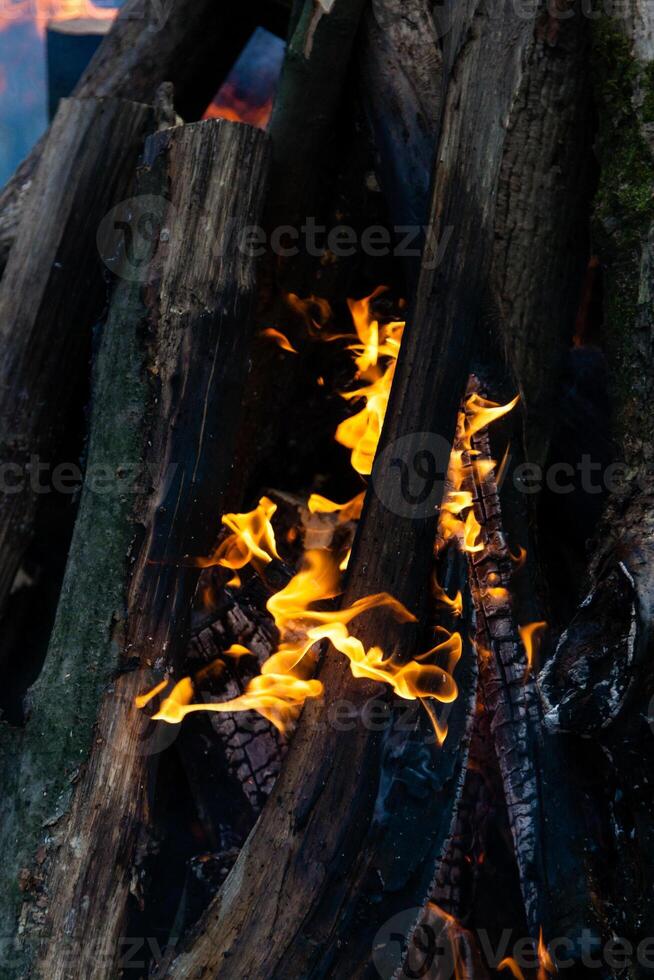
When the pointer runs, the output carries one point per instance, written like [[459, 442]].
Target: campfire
[[325, 507]]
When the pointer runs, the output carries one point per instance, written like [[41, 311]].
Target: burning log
[[163, 431], [547, 829], [51, 294], [330, 900]]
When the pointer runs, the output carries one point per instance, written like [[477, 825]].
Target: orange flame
[[279, 338], [228, 104], [284, 683], [350, 511], [547, 966], [252, 539], [457, 518], [531, 635]]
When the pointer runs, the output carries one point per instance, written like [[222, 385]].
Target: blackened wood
[[546, 821], [401, 83], [600, 682], [50, 296], [308, 97], [330, 900], [544, 193], [169, 384]]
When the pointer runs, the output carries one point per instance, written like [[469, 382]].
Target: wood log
[[308, 97], [600, 681], [51, 295], [163, 429], [401, 87], [337, 881], [541, 220], [191, 43], [546, 822]]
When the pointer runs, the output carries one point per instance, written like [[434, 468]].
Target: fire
[[457, 518], [350, 511], [230, 105], [547, 966], [252, 539], [40, 12], [279, 338], [376, 342], [531, 635], [285, 683], [455, 605]]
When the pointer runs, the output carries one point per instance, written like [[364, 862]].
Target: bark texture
[[190, 43], [164, 426], [600, 681], [52, 293]]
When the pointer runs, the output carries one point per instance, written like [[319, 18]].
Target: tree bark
[[51, 294], [336, 880], [306, 104], [191, 43], [163, 429], [600, 681], [402, 89]]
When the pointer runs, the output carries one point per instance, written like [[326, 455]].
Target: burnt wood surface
[[323, 862], [53, 292], [168, 387]]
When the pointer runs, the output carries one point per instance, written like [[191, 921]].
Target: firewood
[[313, 75], [401, 81], [330, 903], [52, 293], [600, 682], [191, 43], [163, 427], [547, 828]]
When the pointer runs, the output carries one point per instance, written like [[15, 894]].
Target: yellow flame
[[455, 605], [252, 540], [350, 511], [457, 517], [284, 683], [375, 358]]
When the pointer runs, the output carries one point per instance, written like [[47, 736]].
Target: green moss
[[624, 206], [38, 764]]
